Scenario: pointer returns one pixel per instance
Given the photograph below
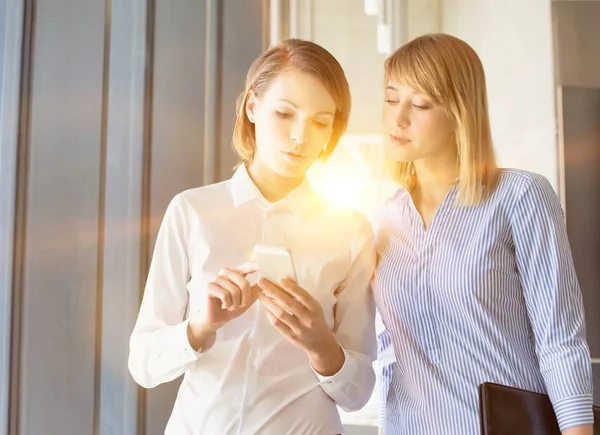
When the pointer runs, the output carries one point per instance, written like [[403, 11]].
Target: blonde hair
[[304, 56], [449, 71]]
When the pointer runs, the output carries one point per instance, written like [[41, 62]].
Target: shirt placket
[[428, 320], [271, 234]]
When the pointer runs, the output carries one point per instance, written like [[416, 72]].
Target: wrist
[[200, 335], [580, 430], [328, 361]]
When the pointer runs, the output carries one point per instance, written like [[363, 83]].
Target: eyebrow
[[319, 113]]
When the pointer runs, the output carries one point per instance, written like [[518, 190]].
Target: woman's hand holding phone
[[299, 317]]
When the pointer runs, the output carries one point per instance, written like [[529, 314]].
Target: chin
[[399, 156], [288, 170]]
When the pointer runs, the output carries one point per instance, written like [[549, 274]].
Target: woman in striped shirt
[[475, 280]]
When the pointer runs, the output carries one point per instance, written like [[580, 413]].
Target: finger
[[282, 298], [240, 282], [232, 289], [280, 314], [216, 291], [246, 268], [255, 290], [297, 292], [280, 325]]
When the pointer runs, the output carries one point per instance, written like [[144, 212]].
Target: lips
[[399, 140], [293, 156]]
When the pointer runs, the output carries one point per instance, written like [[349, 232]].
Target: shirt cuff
[[184, 342], [384, 381], [336, 382], [381, 417], [574, 411]]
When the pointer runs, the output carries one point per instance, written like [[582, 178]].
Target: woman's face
[[415, 127], [293, 122]]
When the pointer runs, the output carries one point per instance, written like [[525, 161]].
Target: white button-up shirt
[[252, 380]]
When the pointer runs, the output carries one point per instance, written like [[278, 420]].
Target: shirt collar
[[302, 201]]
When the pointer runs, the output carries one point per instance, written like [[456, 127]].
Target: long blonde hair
[[449, 71], [304, 56]]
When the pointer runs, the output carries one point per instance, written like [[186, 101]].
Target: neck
[[436, 176], [272, 186]]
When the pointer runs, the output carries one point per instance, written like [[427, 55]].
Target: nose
[[299, 133], [401, 116]]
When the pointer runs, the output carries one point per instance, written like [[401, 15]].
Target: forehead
[[303, 90]]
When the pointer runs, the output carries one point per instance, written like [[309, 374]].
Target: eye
[[319, 124], [390, 101], [283, 115], [416, 106]]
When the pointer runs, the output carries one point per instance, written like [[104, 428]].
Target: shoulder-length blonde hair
[[304, 56], [449, 71]]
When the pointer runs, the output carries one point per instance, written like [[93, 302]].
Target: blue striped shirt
[[486, 293]]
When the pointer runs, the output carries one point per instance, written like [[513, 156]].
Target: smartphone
[[275, 263]]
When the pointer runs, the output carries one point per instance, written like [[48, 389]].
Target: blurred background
[[108, 108]]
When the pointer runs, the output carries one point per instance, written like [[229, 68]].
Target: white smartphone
[[275, 263]]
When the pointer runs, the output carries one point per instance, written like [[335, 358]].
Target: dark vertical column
[[11, 21], [122, 277], [577, 71], [581, 142], [244, 24], [59, 208], [213, 89], [576, 52]]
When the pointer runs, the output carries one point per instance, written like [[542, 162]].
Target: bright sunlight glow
[[352, 176]]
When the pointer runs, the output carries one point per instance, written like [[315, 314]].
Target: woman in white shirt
[[260, 357]]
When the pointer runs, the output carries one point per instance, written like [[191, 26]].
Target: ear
[[251, 106]]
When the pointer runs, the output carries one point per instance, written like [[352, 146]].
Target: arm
[[352, 386], [386, 359], [159, 347], [554, 303]]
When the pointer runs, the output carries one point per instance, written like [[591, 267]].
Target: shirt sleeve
[[159, 347], [386, 359], [352, 386], [554, 302]]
